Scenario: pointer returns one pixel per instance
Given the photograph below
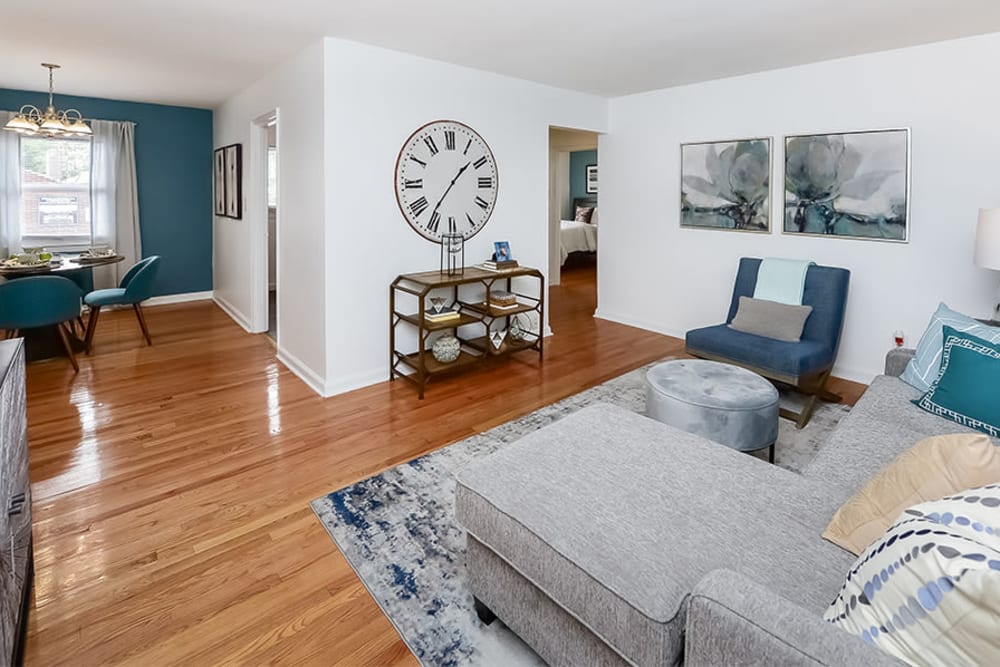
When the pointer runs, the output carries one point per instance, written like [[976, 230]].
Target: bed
[[577, 235]]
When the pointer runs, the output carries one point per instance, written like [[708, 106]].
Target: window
[[55, 192], [272, 176]]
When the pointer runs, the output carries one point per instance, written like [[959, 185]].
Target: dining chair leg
[[142, 323], [79, 322], [69, 348], [88, 342]]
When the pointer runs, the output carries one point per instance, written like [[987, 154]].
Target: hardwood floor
[[171, 484]]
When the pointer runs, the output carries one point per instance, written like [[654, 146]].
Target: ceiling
[[199, 52]]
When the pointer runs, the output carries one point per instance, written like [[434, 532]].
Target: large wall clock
[[446, 180]]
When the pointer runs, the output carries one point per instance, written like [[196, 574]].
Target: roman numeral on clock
[[480, 162], [449, 140], [482, 203], [431, 146], [418, 161], [472, 223], [415, 184], [486, 182], [418, 207], [466, 151], [432, 224], [452, 227]]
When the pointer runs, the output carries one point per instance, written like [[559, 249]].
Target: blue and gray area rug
[[398, 530]]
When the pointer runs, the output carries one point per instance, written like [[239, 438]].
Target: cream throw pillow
[[932, 469]]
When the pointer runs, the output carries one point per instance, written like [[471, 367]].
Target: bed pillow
[[593, 216], [926, 363], [967, 390], [933, 468], [583, 213], [928, 591], [771, 319]]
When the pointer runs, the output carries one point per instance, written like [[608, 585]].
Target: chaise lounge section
[[609, 538]]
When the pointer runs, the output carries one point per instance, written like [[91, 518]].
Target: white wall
[[656, 275], [295, 89], [375, 98]]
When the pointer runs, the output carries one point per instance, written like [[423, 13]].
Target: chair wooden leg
[[79, 323], [88, 342], [69, 348], [142, 323]]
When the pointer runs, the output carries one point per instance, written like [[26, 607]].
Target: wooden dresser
[[16, 563]]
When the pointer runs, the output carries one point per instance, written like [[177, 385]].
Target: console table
[[16, 562], [468, 293]]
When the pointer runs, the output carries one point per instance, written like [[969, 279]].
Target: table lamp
[[988, 242]]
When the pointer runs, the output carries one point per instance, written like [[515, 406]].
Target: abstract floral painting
[[726, 185], [849, 184]]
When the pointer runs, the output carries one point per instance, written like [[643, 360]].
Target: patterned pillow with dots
[[928, 591]]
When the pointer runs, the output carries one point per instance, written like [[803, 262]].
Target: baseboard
[[356, 381], [231, 310], [303, 372], [177, 298]]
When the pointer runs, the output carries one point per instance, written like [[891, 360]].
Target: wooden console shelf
[[467, 293]]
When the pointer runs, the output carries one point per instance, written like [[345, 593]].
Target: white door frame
[[258, 227]]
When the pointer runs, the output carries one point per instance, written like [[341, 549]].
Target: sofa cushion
[[616, 517], [935, 467], [928, 591], [765, 354], [780, 321], [966, 390], [924, 367]]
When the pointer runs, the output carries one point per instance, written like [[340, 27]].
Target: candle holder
[[452, 254]]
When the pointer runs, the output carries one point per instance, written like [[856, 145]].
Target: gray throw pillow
[[771, 319]]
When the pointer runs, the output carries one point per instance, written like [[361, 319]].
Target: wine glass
[[898, 337]]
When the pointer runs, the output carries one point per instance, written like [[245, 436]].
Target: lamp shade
[[988, 239]]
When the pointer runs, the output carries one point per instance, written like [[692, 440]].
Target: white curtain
[[114, 199], [10, 189]]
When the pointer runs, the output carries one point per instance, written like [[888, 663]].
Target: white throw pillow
[[928, 591]]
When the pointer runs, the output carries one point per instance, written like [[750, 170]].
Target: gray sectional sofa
[[608, 538]]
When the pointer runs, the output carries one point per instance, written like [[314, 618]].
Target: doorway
[[573, 211], [263, 201]]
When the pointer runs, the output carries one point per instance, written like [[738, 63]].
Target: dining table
[[44, 343]]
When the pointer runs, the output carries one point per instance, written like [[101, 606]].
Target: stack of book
[[445, 315], [501, 265]]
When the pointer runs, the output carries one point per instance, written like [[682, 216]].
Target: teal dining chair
[[135, 287], [40, 301]]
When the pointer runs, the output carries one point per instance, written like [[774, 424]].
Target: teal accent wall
[[578, 161], [173, 161]]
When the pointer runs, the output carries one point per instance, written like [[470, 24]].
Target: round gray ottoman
[[726, 404]]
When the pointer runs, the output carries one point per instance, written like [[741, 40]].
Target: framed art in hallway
[[219, 181], [848, 185], [727, 185], [591, 179], [234, 180]]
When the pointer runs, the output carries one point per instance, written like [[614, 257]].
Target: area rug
[[398, 530]]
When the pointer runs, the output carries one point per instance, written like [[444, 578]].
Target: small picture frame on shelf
[[501, 251]]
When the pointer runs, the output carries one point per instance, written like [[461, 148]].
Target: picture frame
[[726, 185], [234, 180], [219, 181], [591, 179], [501, 251], [848, 185]]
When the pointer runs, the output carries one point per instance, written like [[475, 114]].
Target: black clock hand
[[450, 186]]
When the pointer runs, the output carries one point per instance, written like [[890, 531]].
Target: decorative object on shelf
[[501, 252], [446, 349], [848, 184], [727, 185], [446, 314], [452, 253], [446, 180], [233, 165], [32, 121], [519, 328], [591, 179], [988, 244], [502, 298], [438, 304], [219, 181], [497, 338]]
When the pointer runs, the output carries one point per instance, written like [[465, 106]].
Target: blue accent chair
[[40, 301], [136, 287], [805, 365]]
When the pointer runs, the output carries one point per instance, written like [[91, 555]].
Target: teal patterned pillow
[[967, 390], [928, 591], [926, 363]]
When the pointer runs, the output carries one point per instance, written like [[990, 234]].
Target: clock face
[[446, 180]]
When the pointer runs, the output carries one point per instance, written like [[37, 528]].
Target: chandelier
[[31, 121]]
